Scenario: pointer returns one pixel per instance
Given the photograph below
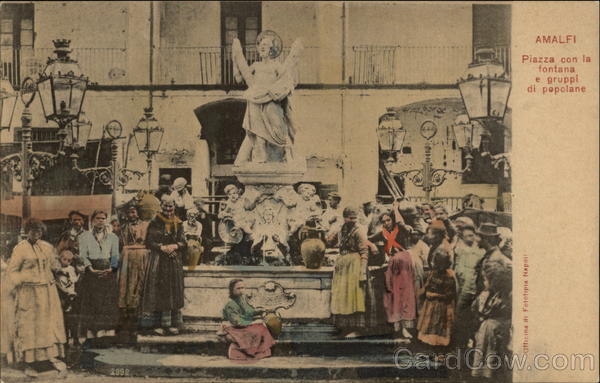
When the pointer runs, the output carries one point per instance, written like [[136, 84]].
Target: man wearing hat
[[489, 241], [181, 196], [467, 255]]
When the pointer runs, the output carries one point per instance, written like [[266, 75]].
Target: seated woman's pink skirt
[[252, 342]]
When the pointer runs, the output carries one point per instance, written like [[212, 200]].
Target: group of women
[[138, 282]]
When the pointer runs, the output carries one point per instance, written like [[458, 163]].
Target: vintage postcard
[[278, 191]]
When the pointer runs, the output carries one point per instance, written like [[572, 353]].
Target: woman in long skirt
[[349, 277], [400, 298], [37, 333], [162, 299], [389, 289], [131, 273], [99, 252], [248, 335], [437, 314]]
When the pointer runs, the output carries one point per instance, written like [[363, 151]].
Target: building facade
[[360, 59]]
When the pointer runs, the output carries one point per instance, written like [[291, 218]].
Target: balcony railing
[[101, 65], [213, 65], [365, 65], [388, 65]]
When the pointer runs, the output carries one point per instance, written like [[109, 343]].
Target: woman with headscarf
[[99, 251], [131, 274], [349, 276], [249, 337], [162, 298], [38, 333], [436, 317], [437, 236]]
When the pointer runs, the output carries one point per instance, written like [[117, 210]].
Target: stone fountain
[[259, 223]]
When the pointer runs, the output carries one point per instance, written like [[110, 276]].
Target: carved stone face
[[233, 194], [264, 47], [269, 215], [306, 191]]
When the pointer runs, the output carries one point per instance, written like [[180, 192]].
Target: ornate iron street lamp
[[428, 177], [148, 137], [469, 135], [62, 88], [8, 102], [485, 87], [391, 135], [27, 165]]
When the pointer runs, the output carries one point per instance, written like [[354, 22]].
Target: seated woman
[[250, 339]]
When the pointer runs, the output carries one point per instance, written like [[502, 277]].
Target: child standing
[[437, 314], [66, 278]]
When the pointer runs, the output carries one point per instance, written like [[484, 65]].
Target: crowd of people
[[412, 271], [406, 270]]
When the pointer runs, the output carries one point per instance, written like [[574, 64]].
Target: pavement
[[14, 376]]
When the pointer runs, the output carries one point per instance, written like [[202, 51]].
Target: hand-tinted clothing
[[239, 312]]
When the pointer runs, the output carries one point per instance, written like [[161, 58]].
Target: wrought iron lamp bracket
[[38, 163]]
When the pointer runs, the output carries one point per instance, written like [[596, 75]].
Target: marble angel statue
[[270, 131]]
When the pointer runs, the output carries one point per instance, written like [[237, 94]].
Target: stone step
[[290, 330], [132, 363], [209, 344]]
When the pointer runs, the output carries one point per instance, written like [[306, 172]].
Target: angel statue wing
[[240, 65], [291, 62]]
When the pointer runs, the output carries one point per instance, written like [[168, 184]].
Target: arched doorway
[[221, 126]]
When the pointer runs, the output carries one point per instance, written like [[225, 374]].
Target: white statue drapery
[[270, 131]]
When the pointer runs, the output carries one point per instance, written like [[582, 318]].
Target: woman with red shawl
[[399, 299]]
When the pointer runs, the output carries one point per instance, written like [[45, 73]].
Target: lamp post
[[27, 164], [428, 177], [62, 88], [8, 102], [485, 90], [148, 137]]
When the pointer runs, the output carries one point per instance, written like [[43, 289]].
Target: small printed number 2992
[[119, 372]]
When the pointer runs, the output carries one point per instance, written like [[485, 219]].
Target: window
[[6, 32], [406, 150], [16, 25], [241, 20], [16, 39]]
